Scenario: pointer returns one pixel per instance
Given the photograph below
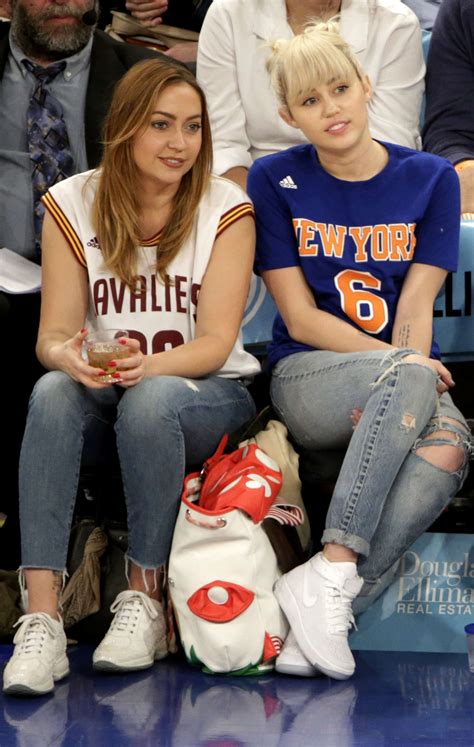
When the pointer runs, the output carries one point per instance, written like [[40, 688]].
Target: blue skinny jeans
[[162, 425], [386, 494]]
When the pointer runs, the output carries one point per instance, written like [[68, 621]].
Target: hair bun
[[329, 26], [277, 45]]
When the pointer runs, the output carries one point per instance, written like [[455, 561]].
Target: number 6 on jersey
[[365, 308]]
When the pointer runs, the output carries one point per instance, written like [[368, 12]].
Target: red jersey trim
[[65, 227], [233, 215]]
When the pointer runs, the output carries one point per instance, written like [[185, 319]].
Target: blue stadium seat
[[425, 40]]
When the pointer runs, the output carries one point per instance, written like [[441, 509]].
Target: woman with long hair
[[354, 240], [149, 243]]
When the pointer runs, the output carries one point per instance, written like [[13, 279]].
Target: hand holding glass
[[103, 348]]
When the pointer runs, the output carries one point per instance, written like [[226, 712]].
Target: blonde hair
[[116, 207], [312, 58]]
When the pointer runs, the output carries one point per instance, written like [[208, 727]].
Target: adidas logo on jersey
[[288, 183], [93, 242]]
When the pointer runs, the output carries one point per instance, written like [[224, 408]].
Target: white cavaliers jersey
[[161, 316]]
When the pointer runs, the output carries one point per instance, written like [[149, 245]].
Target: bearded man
[[52, 59]]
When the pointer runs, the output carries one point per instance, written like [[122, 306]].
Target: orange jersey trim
[[65, 227], [233, 215]]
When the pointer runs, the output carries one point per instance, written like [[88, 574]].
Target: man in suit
[[42, 32]]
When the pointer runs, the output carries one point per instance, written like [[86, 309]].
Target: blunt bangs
[[308, 60], [316, 67]]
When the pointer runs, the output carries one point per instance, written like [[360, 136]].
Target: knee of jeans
[[155, 400], [419, 376], [53, 386], [445, 444]]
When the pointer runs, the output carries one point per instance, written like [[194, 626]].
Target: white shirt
[[384, 34]]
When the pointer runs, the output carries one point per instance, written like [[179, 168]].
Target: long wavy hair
[[116, 207]]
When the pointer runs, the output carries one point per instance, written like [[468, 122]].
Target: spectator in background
[[184, 14], [43, 33], [232, 54], [449, 118]]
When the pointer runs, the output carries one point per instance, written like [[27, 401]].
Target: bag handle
[[219, 523], [216, 456]]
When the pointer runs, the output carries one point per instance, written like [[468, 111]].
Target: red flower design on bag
[[220, 601]]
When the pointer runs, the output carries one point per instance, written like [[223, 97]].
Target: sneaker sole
[[112, 666], [289, 605], [105, 665], [19, 688], [297, 670]]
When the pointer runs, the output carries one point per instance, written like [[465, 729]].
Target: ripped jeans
[[163, 425], [386, 494]]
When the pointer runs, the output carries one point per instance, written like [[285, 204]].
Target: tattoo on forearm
[[404, 336]]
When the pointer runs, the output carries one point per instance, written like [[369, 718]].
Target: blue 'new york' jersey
[[354, 241]]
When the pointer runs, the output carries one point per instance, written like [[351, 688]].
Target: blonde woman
[[152, 244], [354, 240]]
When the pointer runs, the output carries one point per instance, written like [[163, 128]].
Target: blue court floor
[[394, 699]]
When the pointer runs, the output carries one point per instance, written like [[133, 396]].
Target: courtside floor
[[394, 699]]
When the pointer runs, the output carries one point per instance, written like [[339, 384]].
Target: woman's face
[[167, 147], [333, 116]]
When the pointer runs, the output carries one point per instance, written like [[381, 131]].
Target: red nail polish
[[112, 364], [116, 375], [83, 330], [122, 341]]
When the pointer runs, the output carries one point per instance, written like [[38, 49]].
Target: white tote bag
[[223, 568]]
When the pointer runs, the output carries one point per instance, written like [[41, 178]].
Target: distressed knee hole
[[444, 456]]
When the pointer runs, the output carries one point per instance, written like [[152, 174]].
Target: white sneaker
[[316, 598], [39, 658], [136, 637], [291, 660]]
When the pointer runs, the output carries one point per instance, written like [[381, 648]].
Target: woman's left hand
[[130, 371]]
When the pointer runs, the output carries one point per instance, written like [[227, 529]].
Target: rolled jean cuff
[[351, 541]]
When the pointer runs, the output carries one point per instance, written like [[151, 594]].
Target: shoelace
[[339, 609], [127, 607], [32, 634]]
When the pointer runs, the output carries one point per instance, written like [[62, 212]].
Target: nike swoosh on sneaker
[[309, 598]]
